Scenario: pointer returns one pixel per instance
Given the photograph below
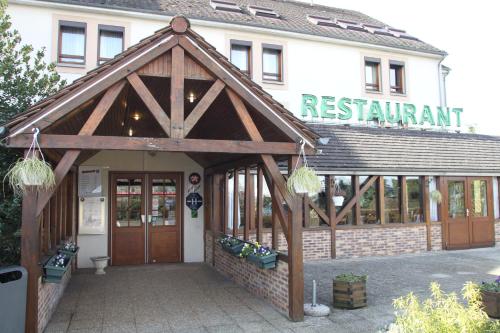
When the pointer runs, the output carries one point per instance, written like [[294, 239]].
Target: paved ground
[[391, 277], [194, 298]]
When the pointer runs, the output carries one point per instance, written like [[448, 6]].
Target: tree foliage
[[25, 78]]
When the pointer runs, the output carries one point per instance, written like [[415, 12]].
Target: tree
[[25, 78]]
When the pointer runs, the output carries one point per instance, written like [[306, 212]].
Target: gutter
[[148, 15]]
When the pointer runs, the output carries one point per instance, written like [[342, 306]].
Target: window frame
[[280, 74], [378, 86], [73, 24], [242, 43], [402, 77], [106, 27]]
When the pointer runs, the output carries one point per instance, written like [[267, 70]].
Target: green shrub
[[443, 313], [351, 277]]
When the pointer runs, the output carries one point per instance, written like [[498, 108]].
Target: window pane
[[128, 202], [372, 75], [110, 43], [268, 207], [391, 200], [271, 63], [72, 44], [163, 200], [393, 77], [241, 199], [479, 198], [396, 78], [368, 204], [456, 199], [320, 200], [344, 189], [240, 57], [230, 206], [414, 199]]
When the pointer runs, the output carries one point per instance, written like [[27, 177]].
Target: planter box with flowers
[[56, 267], [261, 256], [231, 245], [69, 248], [490, 293], [349, 291]]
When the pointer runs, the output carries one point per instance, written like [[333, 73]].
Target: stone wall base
[[271, 284], [49, 295]]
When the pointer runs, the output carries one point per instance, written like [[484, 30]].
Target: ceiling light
[[130, 132], [191, 97], [136, 116]]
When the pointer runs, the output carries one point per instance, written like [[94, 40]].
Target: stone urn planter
[[490, 294], [100, 263], [56, 267], [349, 291]]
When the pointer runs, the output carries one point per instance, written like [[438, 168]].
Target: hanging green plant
[[31, 171], [436, 196], [303, 179]]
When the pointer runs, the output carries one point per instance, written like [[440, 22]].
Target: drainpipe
[[442, 88]]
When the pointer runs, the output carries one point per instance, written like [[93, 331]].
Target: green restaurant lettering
[[391, 112]]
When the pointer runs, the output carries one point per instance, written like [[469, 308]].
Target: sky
[[468, 31]]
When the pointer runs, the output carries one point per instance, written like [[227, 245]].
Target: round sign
[[194, 178]]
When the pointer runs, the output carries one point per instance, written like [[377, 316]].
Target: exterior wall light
[[191, 97], [130, 132]]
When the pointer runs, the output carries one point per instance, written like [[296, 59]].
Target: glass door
[[457, 213], [481, 211]]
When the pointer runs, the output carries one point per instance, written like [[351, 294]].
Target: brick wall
[[49, 295], [380, 241], [497, 233], [272, 284], [436, 237]]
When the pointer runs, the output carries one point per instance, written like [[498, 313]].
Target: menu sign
[[89, 182]]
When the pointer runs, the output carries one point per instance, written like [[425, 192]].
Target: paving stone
[[225, 329], [58, 327], [87, 323]]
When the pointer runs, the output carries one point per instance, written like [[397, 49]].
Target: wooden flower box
[[264, 262], [235, 250], [53, 273], [491, 302], [349, 295], [69, 253]]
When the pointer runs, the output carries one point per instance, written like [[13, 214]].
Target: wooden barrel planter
[[349, 295], [491, 302]]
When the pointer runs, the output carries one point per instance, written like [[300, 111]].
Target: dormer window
[[263, 11], [322, 21], [226, 6], [350, 25], [401, 34], [377, 30]]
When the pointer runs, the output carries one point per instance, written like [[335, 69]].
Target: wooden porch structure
[[138, 101]]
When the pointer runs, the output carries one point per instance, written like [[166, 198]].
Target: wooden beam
[[277, 204], [355, 199], [236, 222], [380, 199], [96, 142], [295, 262], [226, 203], [404, 200], [30, 251], [249, 160], [332, 212], [202, 106], [177, 93], [319, 211], [260, 204], [424, 188], [247, 204], [150, 102], [357, 206]]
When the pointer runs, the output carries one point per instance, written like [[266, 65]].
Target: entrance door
[[146, 218], [469, 219]]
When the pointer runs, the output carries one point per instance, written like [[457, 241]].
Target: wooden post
[[332, 212], [295, 261], [177, 94], [30, 246], [404, 200], [357, 207], [275, 222], [247, 204], [226, 203], [236, 222], [260, 204], [427, 210], [380, 200]]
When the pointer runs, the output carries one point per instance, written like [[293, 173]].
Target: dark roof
[[39, 108], [293, 18], [386, 150]]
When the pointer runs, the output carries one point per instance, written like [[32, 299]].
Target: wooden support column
[[426, 209], [332, 212], [380, 199], [30, 246], [260, 204], [226, 203], [275, 223], [236, 222], [404, 200], [177, 93], [357, 207], [247, 204], [295, 261]]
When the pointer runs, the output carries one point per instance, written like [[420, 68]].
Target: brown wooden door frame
[[468, 220], [145, 176], [481, 226]]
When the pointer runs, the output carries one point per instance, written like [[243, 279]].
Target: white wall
[[97, 245]]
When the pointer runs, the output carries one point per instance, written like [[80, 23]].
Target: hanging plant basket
[[338, 200], [303, 179], [436, 196], [31, 171]]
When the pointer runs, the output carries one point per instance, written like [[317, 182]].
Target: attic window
[[322, 21], [377, 30], [401, 34], [262, 11], [225, 6], [350, 25]]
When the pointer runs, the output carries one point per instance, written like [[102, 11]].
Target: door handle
[[467, 212], [143, 218]]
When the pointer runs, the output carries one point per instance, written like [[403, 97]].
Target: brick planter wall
[[49, 295], [271, 284], [436, 237], [497, 233], [380, 241]]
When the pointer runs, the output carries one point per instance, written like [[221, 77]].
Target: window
[[272, 63], [368, 203], [372, 74], [71, 42], [414, 199], [322, 21], [397, 70], [344, 188], [241, 56], [263, 11], [225, 6], [110, 42], [392, 201], [320, 200]]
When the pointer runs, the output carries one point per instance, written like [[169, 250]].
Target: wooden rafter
[[85, 133], [150, 102], [203, 106], [355, 198], [177, 93]]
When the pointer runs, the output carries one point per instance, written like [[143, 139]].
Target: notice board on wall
[[89, 182], [91, 219]]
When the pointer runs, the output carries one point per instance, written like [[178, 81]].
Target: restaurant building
[[169, 135]]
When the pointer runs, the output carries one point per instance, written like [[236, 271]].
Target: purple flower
[[498, 279]]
